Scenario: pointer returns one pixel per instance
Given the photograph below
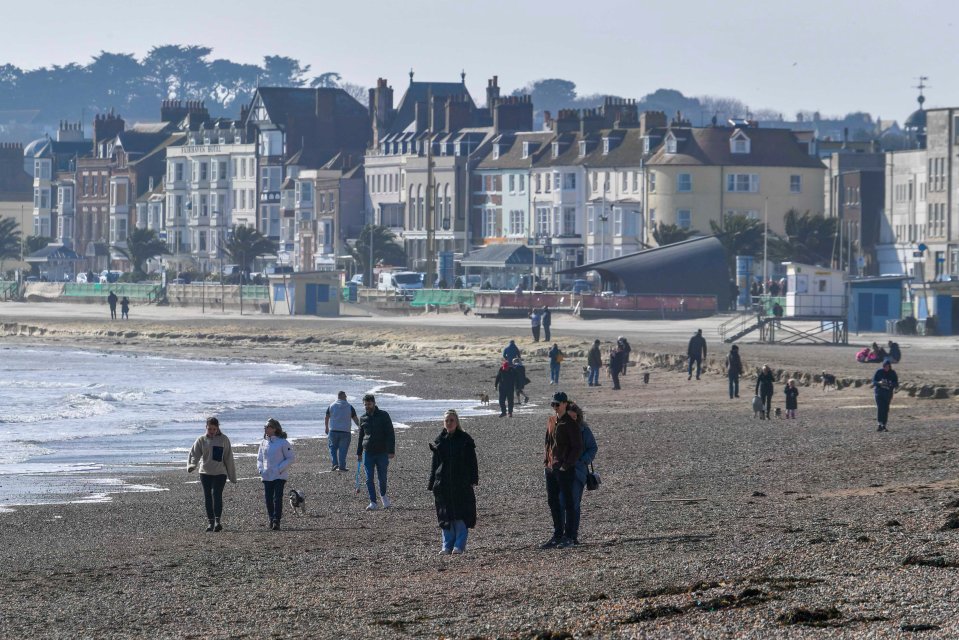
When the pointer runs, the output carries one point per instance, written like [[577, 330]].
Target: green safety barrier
[[768, 302], [443, 297], [251, 291], [132, 291], [8, 289]]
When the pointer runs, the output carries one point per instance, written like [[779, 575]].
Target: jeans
[[733, 386], [535, 333], [883, 400], [578, 488], [213, 495], [455, 536], [699, 366], [273, 492], [554, 372], [339, 442], [505, 400], [546, 332], [593, 376], [562, 501], [379, 462]]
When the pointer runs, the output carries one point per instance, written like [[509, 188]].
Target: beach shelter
[[697, 267]]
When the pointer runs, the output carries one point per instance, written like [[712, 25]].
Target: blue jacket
[[885, 382], [511, 351], [589, 454], [274, 458]]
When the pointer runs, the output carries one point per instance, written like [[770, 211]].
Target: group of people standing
[[540, 318], [569, 447], [617, 362], [124, 306]]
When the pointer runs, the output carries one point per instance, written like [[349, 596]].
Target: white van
[[399, 281]]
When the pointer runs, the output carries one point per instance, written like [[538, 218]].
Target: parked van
[[399, 281]]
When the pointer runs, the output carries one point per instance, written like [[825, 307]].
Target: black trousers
[[536, 334], [505, 399], [546, 332], [273, 492], [767, 398], [213, 495], [560, 494], [883, 400], [614, 373]]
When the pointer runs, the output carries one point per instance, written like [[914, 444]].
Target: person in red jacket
[[564, 446]]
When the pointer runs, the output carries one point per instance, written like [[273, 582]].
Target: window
[[595, 180], [306, 192], [739, 143], [670, 143], [795, 184], [517, 226], [548, 182], [591, 219], [582, 148], [684, 218], [625, 181], [652, 217], [512, 183], [569, 181], [742, 183], [522, 183], [538, 183], [652, 183], [204, 205], [555, 149], [635, 181], [617, 221], [605, 146], [490, 219], [569, 221], [223, 171], [525, 150], [684, 183], [178, 171], [495, 152], [66, 197], [203, 171], [542, 220]]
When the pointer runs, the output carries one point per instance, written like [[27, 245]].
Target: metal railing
[[148, 292], [9, 290]]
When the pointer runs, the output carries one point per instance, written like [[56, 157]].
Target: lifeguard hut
[[813, 309]]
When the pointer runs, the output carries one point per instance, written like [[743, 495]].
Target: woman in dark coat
[[764, 387], [453, 475]]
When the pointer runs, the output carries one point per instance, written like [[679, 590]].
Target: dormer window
[[582, 148], [605, 146], [646, 144], [555, 150], [525, 150], [671, 143], [739, 143], [457, 149], [495, 152]]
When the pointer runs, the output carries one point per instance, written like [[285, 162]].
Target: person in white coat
[[273, 462]]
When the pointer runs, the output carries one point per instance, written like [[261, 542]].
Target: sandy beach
[[708, 523]]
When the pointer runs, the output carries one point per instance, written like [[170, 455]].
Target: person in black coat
[[112, 301], [616, 357], [453, 475], [505, 383], [764, 387], [547, 320], [696, 352]]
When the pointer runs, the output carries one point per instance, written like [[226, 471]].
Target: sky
[[835, 56]]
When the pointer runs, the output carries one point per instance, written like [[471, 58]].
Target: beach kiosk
[[311, 293]]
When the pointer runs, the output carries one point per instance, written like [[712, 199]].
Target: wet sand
[[708, 523]]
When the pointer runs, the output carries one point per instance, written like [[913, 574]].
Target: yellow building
[[699, 175]]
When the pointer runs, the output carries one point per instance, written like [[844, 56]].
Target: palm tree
[[9, 239], [809, 239], [740, 235], [384, 248], [246, 245], [142, 245], [665, 234]]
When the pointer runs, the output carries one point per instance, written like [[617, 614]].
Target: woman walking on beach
[[453, 474], [212, 455], [764, 388], [734, 369], [273, 462], [884, 382], [564, 446], [585, 460]]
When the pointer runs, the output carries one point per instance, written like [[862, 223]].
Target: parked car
[[581, 286], [358, 279]]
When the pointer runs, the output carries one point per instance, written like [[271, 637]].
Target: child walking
[[792, 398]]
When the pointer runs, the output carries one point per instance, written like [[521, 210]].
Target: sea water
[[79, 425]]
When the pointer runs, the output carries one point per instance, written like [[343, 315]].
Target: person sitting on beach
[[212, 455], [453, 474], [878, 354], [894, 353], [377, 446], [273, 461]]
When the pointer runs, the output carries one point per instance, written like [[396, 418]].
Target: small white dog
[[758, 410]]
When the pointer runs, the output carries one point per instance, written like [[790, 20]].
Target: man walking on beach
[[594, 360], [511, 351], [884, 381], [697, 353], [338, 418], [377, 446], [505, 383], [112, 301], [564, 445]]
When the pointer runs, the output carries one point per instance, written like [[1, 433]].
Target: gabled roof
[[285, 103], [419, 92], [498, 256], [53, 252], [709, 146]]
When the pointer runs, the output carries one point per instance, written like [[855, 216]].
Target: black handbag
[[592, 479]]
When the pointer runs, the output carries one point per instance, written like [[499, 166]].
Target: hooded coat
[[452, 475]]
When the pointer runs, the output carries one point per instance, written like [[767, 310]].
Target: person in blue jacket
[[884, 382], [511, 351], [273, 462]]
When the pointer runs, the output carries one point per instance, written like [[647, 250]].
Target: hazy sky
[[833, 55]]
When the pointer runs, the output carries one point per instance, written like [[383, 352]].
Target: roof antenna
[[463, 76], [411, 75]]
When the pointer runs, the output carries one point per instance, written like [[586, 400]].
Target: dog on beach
[[828, 380], [646, 377], [484, 399], [758, 410], [297, 502], [585, 374], [779, 412]]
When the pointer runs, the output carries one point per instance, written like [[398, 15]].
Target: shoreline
[[816, 514]]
